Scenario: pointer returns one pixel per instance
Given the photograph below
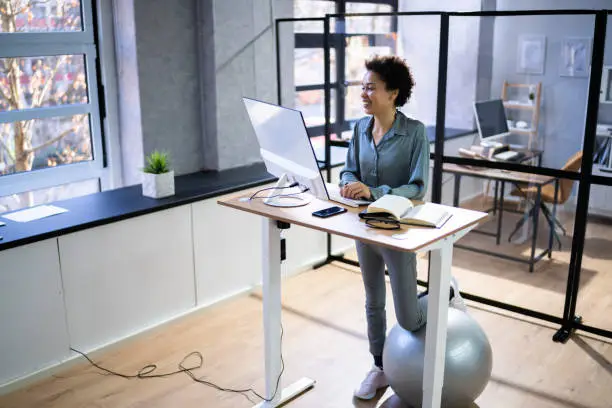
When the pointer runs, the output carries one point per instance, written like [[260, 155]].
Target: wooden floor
[[324, 338]]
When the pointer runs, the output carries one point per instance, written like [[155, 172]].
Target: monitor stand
[[294, 200]]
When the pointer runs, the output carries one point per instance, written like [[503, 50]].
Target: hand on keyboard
[[355, 190]]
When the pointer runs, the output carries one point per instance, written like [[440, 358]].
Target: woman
[[388, 154]]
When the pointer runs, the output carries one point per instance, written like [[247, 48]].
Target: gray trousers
[[410, 310]]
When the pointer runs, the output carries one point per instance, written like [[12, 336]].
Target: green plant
[[157, 163]]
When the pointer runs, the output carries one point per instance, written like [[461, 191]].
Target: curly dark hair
[[395, 73]]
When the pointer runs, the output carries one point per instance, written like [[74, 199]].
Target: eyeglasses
[[383, 224]]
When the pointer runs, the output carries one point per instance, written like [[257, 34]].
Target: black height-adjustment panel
[[283, 252], [282, 225]]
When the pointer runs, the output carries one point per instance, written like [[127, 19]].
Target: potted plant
[[157, 177], [531, 97]]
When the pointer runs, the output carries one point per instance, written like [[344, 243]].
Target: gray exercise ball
[[469, 362]]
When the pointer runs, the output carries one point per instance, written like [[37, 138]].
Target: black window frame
[[340, 85]]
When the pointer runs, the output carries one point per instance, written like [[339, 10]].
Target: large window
[[352, 41], [50, 133]]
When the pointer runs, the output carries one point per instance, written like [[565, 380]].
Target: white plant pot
[[158, 185]]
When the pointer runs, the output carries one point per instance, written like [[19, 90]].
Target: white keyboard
[[334, 195], [507, 155]]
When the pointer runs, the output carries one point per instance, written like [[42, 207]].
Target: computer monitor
[[286, 151], [491, 120]]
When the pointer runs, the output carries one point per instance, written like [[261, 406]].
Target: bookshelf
[[523, 104]]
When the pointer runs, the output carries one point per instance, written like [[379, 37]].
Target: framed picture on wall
[[531, 54], [575, 57]]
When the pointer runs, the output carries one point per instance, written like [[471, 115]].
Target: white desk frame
[[436, 328]]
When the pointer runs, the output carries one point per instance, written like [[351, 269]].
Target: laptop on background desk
[[493, 125]]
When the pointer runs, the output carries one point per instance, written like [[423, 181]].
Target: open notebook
[[404, 211]]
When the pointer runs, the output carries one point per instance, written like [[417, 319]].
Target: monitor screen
[[284, 144], [491, 118]]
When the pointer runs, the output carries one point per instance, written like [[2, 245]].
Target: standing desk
[[515, 178], [349, 225]]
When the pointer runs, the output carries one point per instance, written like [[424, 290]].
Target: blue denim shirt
[[398, 165]]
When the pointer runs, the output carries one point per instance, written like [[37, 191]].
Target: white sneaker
[[375, 380], [457, 301]]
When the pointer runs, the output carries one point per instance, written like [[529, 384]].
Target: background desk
[[516, 178], [439, 241]]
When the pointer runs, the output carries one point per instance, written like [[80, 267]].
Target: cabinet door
[[33, 331]]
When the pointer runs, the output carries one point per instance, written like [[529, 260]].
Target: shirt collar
[[399, 125]]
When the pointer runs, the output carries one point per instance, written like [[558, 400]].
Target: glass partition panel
[[521, 253], [303, 9], [517, 88], [309, 66], [302, 75], [312, 106], [369, 24], [422, 60], [595, 290], [602, 157]]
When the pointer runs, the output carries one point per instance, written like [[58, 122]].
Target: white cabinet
[[33, 332], [124, 277]]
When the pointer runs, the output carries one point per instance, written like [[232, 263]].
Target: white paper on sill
[[34, 213]]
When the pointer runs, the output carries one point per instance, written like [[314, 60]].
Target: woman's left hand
[[356, 190]]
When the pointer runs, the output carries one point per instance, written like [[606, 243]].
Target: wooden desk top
[[496, 174], [351, 226]]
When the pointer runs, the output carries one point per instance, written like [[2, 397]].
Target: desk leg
[[553, 222], [495, 198], [272, 322], [536, 215], [456, 189], [437, 322], [501, 210]]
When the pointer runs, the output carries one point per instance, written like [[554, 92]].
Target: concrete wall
[[169, 80], [245, 65], [182, 69], [128, 92]]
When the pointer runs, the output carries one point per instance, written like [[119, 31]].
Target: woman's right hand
[[355, 190]]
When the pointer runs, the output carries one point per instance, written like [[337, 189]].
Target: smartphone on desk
[[328, 212]]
